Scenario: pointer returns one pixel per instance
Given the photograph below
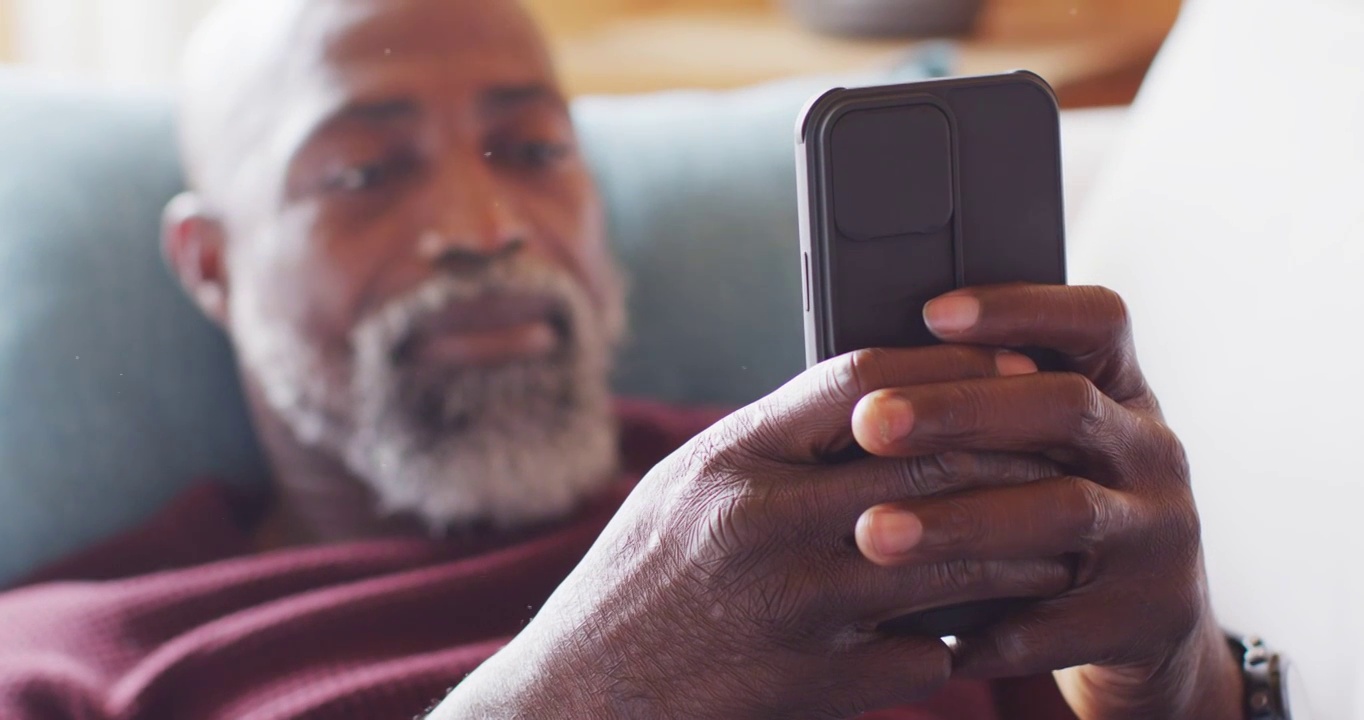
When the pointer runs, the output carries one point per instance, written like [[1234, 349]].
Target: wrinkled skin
[[746, 575], [1123, 509]]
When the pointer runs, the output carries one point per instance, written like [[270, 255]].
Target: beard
[[509, 445]]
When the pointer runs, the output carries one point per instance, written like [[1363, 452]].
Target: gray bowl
[[887, 18]]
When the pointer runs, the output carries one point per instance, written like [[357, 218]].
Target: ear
[[192, 242]]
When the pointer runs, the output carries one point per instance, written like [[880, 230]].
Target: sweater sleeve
[[1034, 698]]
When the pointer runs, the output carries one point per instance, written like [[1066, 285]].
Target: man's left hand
[[1136, 637]]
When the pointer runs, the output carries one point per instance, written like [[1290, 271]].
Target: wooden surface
[[1094, 51], [725, 49], [6, 31], [1052, 18]]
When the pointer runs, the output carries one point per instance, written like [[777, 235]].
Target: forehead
[[419, 50], [265, 74], [484, 35]]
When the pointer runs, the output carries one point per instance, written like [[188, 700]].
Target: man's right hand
[[730, 583]]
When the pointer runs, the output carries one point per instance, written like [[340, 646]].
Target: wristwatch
[[1273, 688]]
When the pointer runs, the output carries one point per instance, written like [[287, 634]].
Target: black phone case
[[911, 191]]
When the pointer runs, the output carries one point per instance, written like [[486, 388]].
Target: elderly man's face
[[418, 278]]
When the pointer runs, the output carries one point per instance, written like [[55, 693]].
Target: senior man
[[389, 218]]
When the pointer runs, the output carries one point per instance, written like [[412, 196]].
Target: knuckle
[[1193, 534], [721, 499], [962, 409], [778, 605], [1170, 456], [1025, 578], [929, 475], [958, 464], [958, 575], [731, 520], [1101, 515], [855, 374], [756, 432], [916, 477], [960, 525], [1113, 310], [734, 553], [715, 457], [1046, 577], [737, 509], [1151, 454], [1088, 408]]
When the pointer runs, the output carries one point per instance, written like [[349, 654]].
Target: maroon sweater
[[179, 619]]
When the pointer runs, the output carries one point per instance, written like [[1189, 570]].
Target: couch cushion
[[116, 394], [110, 382]]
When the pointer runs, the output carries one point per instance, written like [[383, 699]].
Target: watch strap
[[1262, 673]]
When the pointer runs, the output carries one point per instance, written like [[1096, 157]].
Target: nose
[[457, 257], [474, 217]]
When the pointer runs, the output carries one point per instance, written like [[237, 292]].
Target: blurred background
[[1096, 52]]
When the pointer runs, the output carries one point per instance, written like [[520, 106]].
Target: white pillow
[[1233, 221]]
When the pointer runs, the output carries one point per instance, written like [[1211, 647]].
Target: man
[[389, 218]]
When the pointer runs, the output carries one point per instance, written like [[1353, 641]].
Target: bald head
[[257, 72]]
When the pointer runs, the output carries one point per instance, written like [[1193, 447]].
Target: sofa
[[1225, 205]]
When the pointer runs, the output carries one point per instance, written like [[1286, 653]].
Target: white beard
[[511, 445]]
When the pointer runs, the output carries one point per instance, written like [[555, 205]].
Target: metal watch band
[[1261, 672]]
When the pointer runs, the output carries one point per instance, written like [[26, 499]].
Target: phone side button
[[806, 258]]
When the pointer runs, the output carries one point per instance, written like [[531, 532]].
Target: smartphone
[[910, 191]]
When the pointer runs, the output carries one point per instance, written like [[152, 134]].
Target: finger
[[1050, 518], [1133, 623], [825, 506], [877, 672], [1065, 632], [808, 419], [880, 594], [1058, 413], [854, 487], [1089, 326]]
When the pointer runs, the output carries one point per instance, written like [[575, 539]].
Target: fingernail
[[894, 532], [1012, 363], [952, 314], [895, 418]]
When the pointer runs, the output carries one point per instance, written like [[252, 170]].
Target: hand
[[730, 585], [1137, 630]]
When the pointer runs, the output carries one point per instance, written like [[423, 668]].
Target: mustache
[[457, 260], [401, 323]]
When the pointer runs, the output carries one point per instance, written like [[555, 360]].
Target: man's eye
[[532, 155], [369, 176]]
